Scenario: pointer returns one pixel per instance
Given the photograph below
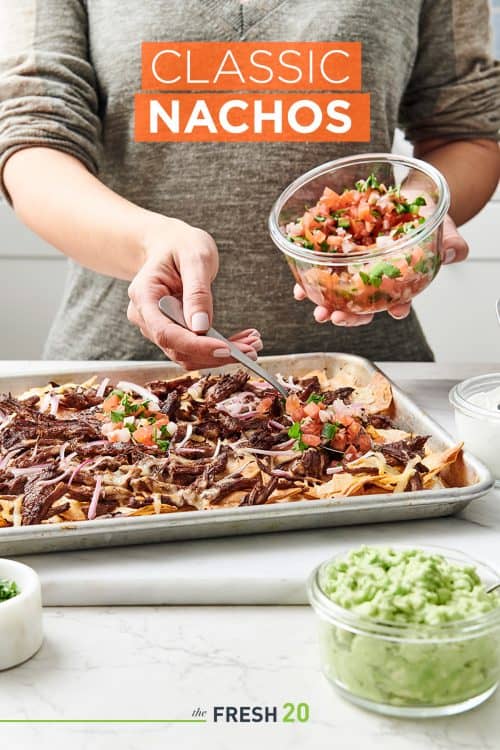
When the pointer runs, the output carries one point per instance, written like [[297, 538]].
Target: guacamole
[[8, 589], [435, 661]]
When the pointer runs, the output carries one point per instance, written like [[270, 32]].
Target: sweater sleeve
[[454, 87], [48, 91]]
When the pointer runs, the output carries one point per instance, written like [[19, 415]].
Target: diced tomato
[[311, 440], [330, 199], [311, 427], [311, 409], [144, 435], [294, 407], [161, 420], [364, 442], [111, 402]]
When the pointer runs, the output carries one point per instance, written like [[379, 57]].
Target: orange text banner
[[252, 117], [251, 66]]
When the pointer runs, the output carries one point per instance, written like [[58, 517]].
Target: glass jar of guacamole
[[408, 632]]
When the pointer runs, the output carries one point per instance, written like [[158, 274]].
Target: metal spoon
[[493, 587], [171, 307], [498, 310]]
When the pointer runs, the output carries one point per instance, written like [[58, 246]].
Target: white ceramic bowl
[[21, 629]]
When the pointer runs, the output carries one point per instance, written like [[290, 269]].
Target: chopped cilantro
[[344, 223], [118, 393], [8, 589], [117, 416], [315, 398], [324, 246], [374, 278], [364, 185], [330, 429], [421, 266], [295, 431], [321, 219], [163, 444]]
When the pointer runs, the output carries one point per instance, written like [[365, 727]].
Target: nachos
[[201, 442]]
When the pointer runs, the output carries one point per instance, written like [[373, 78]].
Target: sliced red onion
[[285, 445], [247, 415], [95, 499], [102, 388], [239, 404], [97, 442], [282, 473], [288, 383], [80, 466], [47, 482], [262, 452], [125, 385], [276, 425], [189, 432], [261, 385]]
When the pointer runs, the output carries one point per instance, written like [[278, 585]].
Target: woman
[[141, 220]]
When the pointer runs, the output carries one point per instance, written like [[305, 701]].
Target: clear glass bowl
[[477, 426], [334, 280], [414, 670]]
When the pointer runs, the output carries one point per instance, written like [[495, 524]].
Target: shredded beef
[[402, 451], [415, 483], [38, 498], [311, 464], [161, 389], [341, 394], [260, 492], [309, 386], [80, 400], [171, 404], [226, 386]]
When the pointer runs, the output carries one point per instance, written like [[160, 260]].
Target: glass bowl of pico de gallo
[[363, 233]]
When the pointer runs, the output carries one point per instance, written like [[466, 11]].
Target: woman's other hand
[[454, 249], [182, 261]]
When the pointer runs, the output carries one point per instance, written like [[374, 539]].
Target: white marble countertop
[[162, 662]]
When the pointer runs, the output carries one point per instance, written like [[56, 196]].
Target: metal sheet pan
[[469, 479]]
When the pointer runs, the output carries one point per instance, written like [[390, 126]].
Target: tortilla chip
[[437, 461], [389, 435], [376, 396]]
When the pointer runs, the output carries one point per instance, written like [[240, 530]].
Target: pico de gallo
[[365, 218], [129, 419], [347, 229]]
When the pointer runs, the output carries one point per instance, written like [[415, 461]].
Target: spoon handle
[[171, 307]]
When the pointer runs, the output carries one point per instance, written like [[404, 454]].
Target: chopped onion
[[97, 442], [238, 402], [92, 512], [283, 446], [80, 466], [172, 428], [125, 385], [102, 388], [189, 432], [384, 241]]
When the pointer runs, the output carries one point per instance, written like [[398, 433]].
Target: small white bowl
[[21, 629], [477, 426]]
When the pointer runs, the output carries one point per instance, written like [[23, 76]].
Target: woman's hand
[[182, 261], [454, 249]]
